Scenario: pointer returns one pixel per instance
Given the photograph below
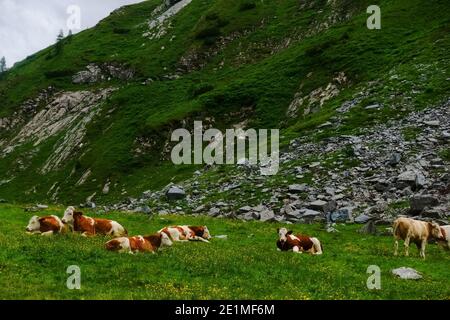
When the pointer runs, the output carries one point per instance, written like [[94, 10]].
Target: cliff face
[[93, 120]]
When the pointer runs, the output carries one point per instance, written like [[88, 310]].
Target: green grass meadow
[[244, 266]]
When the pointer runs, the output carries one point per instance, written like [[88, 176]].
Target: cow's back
[[417, 230], [305, 242], [49, 223]]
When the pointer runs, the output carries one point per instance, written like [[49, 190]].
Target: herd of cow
[[407, 229]]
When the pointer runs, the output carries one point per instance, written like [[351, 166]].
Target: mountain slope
[[95, 117]]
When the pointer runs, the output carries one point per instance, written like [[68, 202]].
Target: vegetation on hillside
[[219, 59]]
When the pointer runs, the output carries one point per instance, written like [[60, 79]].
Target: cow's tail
[[394, 228], [318, 248]]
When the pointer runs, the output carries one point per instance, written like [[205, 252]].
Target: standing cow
[[92, 226], [45, 226], [298, 243], [419, 232]]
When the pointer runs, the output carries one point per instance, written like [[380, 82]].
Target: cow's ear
[[290, 232]]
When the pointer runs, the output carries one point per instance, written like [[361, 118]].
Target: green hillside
[[229, 61]]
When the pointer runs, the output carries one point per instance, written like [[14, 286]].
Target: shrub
[[247, 5], [199, 89]]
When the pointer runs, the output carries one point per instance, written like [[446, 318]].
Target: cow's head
[[436, 231], [68, 215], [206, 234], [165, 240], [33, 224], [282, 234], [202, 231]]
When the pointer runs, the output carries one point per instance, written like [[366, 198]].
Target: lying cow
[[419, 232], [187, 233], [298, 243], [445, 239], [139, 243], [91, 226], [45, 226]]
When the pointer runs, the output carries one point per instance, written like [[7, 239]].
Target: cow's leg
[[395, 247], [296, 249], [422, 248], [406, 244], [47, 234], [198, 239]]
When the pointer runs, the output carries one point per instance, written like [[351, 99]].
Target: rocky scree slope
[[91, 122]]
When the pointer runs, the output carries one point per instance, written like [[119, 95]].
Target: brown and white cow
[[135, 244], [419, 232], [45, 226], [445, 239], [298, 243], [187, 233], [92, 226]]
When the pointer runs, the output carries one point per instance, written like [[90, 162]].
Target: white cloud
[[27, 26]]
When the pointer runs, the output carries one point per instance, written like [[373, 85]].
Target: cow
[[131, 245], [45, 226], [419, 232], [298, 243], [187, 233], [92, 226], [445, 239]]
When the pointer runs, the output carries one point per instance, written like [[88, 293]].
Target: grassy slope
[[263, 81], [246, 266]]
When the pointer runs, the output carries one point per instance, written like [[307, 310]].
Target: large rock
[[175, 193], [294, 215], [323, 206], [395, 159], [214, 212], [95, 73], [245, 209], [369, 228], [310, 213], [362, 218], [266, 215], [298, 188], [342, 215], [413, 179], [407, 273], [419, 202], [143, 209]]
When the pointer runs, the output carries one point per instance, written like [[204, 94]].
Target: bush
[[121, 30], [247, 5], [198, 90], [58, 73], [210, 28]]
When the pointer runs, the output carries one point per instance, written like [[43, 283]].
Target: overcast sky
[[27, 26]]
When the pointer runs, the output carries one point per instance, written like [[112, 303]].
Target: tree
[[2, 65], [59, 42], [60, 36]]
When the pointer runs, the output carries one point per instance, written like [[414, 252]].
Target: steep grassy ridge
[[232, 61]]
